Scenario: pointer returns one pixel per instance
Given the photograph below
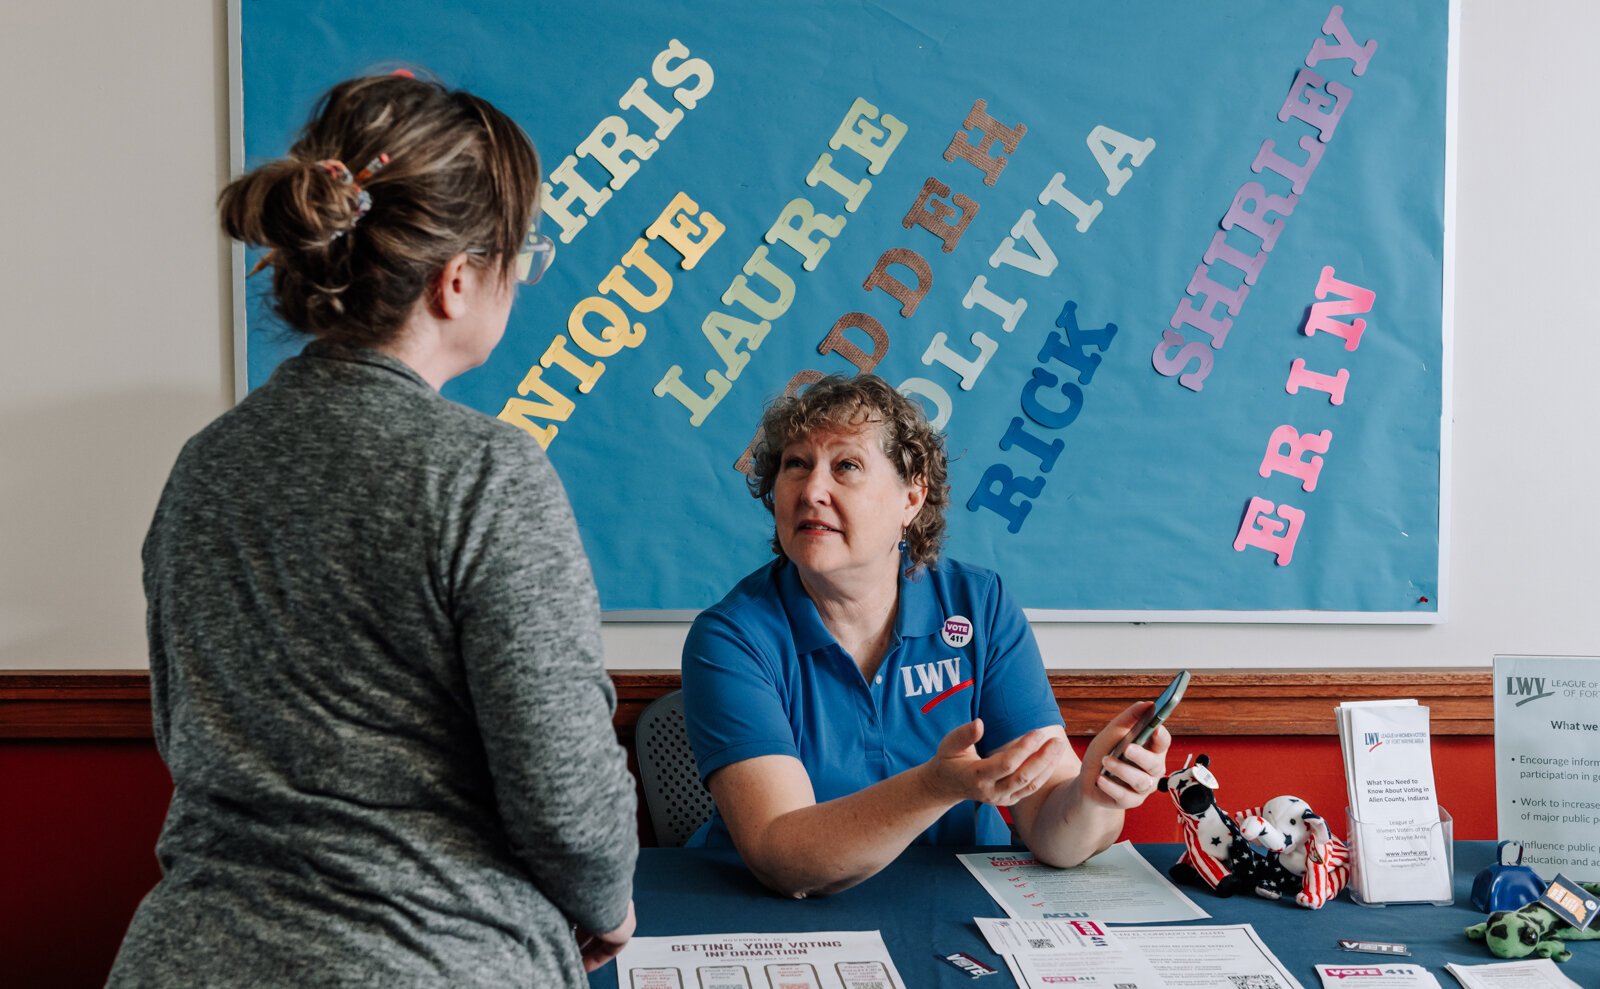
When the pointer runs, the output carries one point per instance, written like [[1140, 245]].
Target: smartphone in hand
[[1156, 716]]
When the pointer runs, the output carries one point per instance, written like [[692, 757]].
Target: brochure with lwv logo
[[1547, 761], [1397, 841]]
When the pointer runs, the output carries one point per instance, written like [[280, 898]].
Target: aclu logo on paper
[[957, 631], [1528, 688]]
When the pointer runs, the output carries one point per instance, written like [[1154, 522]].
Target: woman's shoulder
[[756, 594], [955, 574], [481, 445], [751, 621], [366, 402]]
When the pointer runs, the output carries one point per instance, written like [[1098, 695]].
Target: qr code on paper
[[1255, 982]]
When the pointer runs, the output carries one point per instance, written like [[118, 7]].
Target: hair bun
[[291, 205], [465, 178]]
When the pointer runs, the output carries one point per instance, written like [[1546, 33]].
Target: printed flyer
[[821, 960], [1547, 761]]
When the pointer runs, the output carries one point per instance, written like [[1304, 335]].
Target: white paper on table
[[821, 960], [1115, 887], [1012, 936], [1397, 840], [1222, 957], [1539, 973], [1050, 969], [1376, 975], [1044, 953]]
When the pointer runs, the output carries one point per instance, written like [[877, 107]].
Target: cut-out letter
[[933, 214], [837, 343], [1275, 535], [1286, 454], [1357, 300], [1332, 384], [1109, 147], [1006, 495], [978, 154], [904, 294], [1344, 45]]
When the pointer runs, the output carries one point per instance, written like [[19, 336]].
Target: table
[[924, 904]]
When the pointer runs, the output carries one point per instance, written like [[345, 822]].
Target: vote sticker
[[957, 631]]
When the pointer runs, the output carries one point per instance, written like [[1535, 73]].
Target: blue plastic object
[[1506, 886]]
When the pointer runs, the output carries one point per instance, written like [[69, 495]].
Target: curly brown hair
[[462, 177], [848, 402]]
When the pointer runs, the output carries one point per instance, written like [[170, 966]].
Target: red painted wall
[[1253, 770], [77, 852], [79, 820]]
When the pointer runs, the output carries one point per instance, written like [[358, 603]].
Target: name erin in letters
[[1287, 446]]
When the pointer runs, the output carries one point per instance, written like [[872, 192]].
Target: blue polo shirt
[[763, 676]]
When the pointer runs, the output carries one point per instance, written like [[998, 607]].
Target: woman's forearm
[[827, 847], [1070, 828]]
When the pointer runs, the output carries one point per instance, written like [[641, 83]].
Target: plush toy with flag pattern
[[1281, 849], [1303, 844]]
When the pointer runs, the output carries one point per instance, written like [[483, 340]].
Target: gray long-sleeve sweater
[[377, 678]]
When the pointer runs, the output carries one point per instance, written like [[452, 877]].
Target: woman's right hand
[[1014, 771]]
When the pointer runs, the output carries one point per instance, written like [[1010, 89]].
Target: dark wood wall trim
[[75, 704], [88, 704]]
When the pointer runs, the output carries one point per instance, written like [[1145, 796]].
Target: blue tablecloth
[[924, 904]]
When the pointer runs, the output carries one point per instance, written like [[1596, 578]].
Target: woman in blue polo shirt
[[860, 693]]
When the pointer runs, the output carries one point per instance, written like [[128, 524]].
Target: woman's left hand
[[1125, 782]]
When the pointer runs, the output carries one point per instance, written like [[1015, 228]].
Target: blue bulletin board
[[1174, 278]]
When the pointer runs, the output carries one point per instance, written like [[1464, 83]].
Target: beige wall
[[116, 340], [117, 313]]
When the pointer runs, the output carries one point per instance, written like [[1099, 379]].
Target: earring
[[903, 538]]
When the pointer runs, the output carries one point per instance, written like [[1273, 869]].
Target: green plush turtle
[[1534, 930]]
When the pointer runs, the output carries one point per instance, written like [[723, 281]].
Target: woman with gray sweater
[[374, 638]]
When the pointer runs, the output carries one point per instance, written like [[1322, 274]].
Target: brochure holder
[[1358, 884]]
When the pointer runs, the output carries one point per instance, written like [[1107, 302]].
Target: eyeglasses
[[533, 260]]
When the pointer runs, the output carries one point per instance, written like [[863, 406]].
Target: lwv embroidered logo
[[933, 678], [930, 678]]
